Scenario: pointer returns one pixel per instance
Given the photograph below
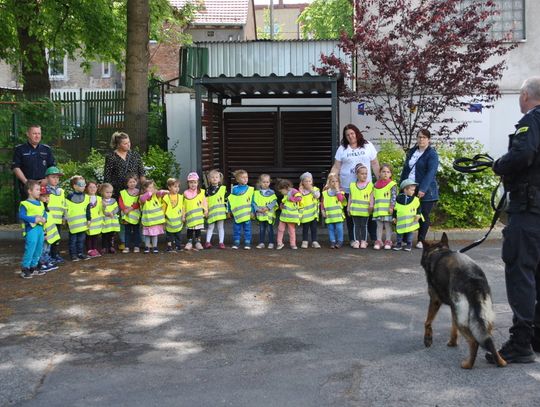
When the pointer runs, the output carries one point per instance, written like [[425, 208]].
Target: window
[[105, 69], [57, 66], [210, 33], [510, 22]]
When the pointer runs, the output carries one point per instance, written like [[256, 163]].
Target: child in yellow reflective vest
[[360, 206], [152, 216], [96, 220], [33, 216], [216, 196], [78, 217], [332, 204], [111, 223], [131, 214], [407, 214], [173, 205], [46, 262], [264, 207], [309, 213], [290, 212], [195, 210], [240, 207], [56, 207], [384, 194]]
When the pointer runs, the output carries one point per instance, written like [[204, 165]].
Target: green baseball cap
[[53, 171]]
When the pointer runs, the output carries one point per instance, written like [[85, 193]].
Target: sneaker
[[136, 249], [234, 247], [304, 244], [247, 247], [514, 352], [338, 245], [387, 245], [198, 246], [208, 245], [355, 244], [82, 256], [125, 250], [170, 249], [146, 250], [74, 258], [419, 245], [44, 267], [26, 273], [280, 246], [121, 246], [52, 266], [397, 246], [260, 246], [188, 246], [178, 248], [271, 246], [93, 253], [221, 246], [408, 247], [58, 259], [155, 250], [377, 245], [332, 245], [38, 270], [316, 245], [294, 247], [363, 244]]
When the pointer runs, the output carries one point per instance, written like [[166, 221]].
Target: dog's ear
[[444, 240]]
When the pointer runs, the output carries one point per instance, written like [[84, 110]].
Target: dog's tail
[[481, 320]]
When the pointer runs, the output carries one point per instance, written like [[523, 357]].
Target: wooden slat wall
[[211, 147]]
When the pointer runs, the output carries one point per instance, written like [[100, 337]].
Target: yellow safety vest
[[382, 198], [96, 218], [51, 230], [261, 201], [76, 215], [173, 214], [134, 216], [152, 212], [360, 199], [194, 210], [110, 224], [290, 212], [217, 208], [57, 207], [406, 216], [241, 205], [33, 210], [333, 208], [310, 207]]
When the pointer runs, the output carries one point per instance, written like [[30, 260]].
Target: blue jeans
[[132, 237], [406, 238], [76, 243], [237, 232], [33, 247], [263, 227], [335, 232], [45, 253]]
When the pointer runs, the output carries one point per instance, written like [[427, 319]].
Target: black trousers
[[426, 208], [521, 256], [371, 226]]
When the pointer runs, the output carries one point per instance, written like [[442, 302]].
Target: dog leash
[[479, 163]]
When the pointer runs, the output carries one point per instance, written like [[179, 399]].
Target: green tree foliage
[[92, 29], [263, 33], [327, 19]]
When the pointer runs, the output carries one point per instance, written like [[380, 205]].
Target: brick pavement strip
[[260, 328]]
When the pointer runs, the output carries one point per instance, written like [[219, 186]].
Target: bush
[[91, 169], [160, 165], [464, 199]]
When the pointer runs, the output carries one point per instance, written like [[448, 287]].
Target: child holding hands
[[131, 214], [111, 224], [290, 212], [152, 216], [264, 206], [384, 194], [240, 207], [216, 194], [173, 206], [407, 214], [195, 210], [360, 206], [332, 204], [309, 213]]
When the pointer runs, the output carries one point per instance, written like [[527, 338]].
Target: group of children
[[90, 211]]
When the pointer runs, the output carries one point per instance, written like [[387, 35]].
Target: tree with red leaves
[[417, 58]]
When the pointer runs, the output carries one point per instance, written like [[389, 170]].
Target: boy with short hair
[[32, 216], [239, 204], [56, 207], [407, 213], [78, 217]]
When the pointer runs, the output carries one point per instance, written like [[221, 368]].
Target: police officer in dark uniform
[[31, 160], [520, 171]]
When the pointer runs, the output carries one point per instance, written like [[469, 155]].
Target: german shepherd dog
[[456, 280]]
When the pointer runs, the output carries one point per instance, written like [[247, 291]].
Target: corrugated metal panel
[[266, 57]]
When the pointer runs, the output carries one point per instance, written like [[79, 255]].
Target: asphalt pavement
[[244, 328]]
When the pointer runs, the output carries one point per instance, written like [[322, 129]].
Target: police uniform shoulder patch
[[523, 129]]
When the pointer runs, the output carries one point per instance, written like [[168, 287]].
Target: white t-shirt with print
[[412, 164], [350, 158]]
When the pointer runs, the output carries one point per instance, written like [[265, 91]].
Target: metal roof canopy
[[266, 87]]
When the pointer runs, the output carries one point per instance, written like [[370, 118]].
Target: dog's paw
[[466, 364], [428, 340], [451, 343]]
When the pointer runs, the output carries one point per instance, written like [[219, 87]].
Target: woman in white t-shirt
[[355, 149]]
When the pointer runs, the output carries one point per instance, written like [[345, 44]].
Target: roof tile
[[219, 11]]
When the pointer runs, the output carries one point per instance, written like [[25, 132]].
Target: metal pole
[[271, 19]]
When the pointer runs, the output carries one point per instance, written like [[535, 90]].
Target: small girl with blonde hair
[[173, 205], [111, 224], [290, 212], [216, 195], [264, 207], [309, 213], [332, 204], [152, 216], [385, 194], [195, 210], [96, 219]]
